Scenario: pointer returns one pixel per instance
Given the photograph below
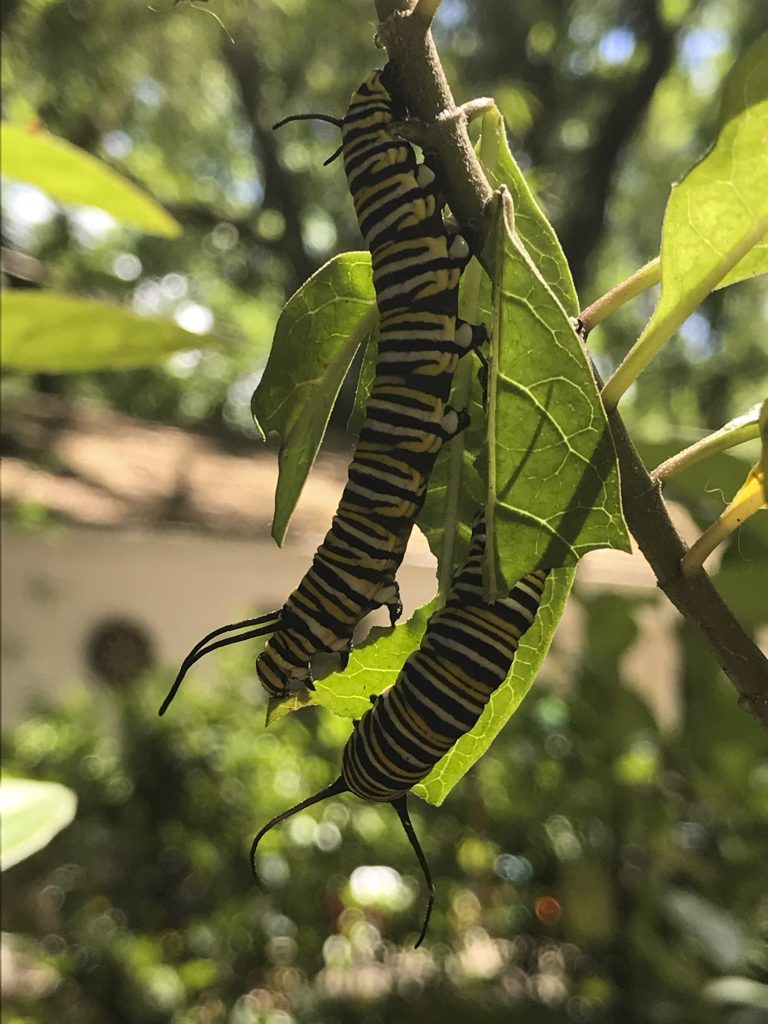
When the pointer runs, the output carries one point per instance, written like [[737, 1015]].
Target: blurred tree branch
[[584, 222], [614, 106], [279, 187], [412, 51]]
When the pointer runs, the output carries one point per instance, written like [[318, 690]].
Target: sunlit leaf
[[318, 334], [718, 933], [44, 332], [553, 482], [737, 991], [373, 666], [716, 217], [31, 813], [70, 175]]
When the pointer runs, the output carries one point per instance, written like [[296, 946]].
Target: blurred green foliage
[[161, 92], [590, 868]]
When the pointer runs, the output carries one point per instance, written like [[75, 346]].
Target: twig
[[423, 83], [642, 279], [737, 431]]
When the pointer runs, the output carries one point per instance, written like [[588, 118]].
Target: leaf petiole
[[736, 431], [635, 284]]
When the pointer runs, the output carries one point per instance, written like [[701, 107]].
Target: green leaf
[[553, 482], [364, 385], [716, 216], [31, 814], [455, 489], [373, 666], [506, 700], [318, 334], [534, 229], [44, 332], [70, 175]]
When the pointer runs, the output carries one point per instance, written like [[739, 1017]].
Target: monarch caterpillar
[[416, 271], [465, 655]]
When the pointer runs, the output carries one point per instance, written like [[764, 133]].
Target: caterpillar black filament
[[465, 655], [416, 271]]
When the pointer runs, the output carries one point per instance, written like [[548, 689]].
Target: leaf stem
[[635, 285], [745, 428], [460, 398]]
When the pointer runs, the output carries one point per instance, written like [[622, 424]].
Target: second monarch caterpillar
[[416, 270], [465, 655]]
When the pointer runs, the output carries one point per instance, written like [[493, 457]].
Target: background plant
[[650, 846]]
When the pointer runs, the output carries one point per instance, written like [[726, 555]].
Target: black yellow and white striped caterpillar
[[416, 271], [465, 655]]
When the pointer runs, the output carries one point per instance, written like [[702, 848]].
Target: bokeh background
[[606, 861]]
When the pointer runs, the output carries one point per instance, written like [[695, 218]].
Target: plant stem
[[723, 439], [601, 308]]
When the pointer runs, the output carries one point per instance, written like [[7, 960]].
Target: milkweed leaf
[[716, 220], [456, 489], [318, 334], [506, 700], [553, 482]]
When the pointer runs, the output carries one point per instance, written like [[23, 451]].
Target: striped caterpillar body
[[465, 655], [416, 270]]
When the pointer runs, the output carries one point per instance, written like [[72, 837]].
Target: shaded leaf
[[70, 175], [553, 482], [44, 332], [455, 490], [317, 336], [31, 814]]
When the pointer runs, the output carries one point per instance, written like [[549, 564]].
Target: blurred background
[[606, 861]]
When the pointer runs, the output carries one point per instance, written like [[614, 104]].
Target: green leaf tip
[[318, 334], [72, 176]]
